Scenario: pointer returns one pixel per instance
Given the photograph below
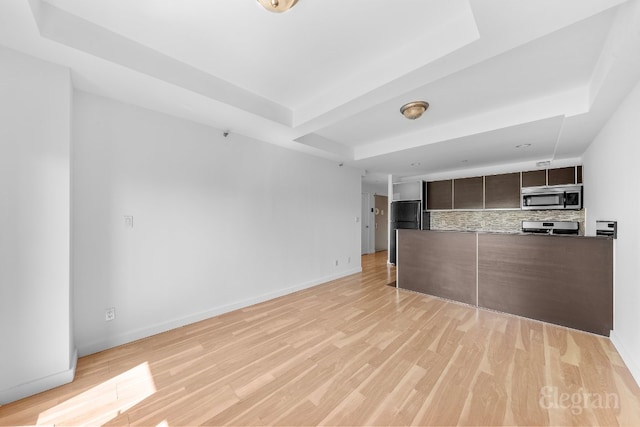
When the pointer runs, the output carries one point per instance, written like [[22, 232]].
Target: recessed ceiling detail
[[501, 73]]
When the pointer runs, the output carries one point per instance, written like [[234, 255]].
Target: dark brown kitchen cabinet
[[468, 193], [440, 264], [562, 176], [534, 178], [439, 194], [558, 279], [579, 175], [566, 280], [502, 191]]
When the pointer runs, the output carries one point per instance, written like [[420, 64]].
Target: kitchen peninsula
[[566, 280]]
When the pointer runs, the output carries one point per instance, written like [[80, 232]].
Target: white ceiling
[[328, 77]]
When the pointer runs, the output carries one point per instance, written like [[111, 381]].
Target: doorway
[[368, 236], [381, 223]]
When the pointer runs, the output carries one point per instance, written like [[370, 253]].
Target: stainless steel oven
[[552, 197], [551, 227]]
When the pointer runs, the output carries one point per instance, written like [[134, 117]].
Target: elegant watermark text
[[577, 401]]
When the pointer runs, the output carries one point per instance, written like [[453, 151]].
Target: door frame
[[368, 237], [381, 241]]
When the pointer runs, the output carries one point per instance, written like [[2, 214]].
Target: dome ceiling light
[[277, 6], [414, 110]]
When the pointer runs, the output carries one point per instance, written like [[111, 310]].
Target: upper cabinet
[[439, 195], [495, 191], [468, 193], [502, 191], [557, 176], [534, 178], [579, 175], [561, 176], [407, 191]]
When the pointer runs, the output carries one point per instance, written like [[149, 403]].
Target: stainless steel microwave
[[552, 197]]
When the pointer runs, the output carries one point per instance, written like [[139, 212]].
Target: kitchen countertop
[[517, 233]]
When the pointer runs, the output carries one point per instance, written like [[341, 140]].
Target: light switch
[[128, 221]]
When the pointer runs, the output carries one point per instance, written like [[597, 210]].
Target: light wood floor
[[349, 352]]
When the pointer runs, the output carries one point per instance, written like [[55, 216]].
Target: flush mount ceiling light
[[277, 6], [414, 110]]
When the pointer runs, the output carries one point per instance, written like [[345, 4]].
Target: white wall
[[219, 223], [35, 326], [379, 188], [611, 175]]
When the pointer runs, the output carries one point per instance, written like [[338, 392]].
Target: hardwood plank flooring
[[350, 352]]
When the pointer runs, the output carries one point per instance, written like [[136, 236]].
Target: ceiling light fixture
[[414, 110], [277, 6]]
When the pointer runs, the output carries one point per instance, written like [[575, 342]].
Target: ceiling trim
[[77, 33]]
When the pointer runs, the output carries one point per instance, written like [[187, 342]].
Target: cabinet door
[[534, 178], [562, 176], [502, 191], [439, 194], [407, 191], [579, 175], [468, 193]]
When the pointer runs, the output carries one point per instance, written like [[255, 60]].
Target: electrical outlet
[[336, 263], [110, 314], [349, 260], [128, 221]]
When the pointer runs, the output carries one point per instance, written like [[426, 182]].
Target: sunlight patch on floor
[[105, 401]]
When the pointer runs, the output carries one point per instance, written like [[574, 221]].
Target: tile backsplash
[[500, 221]]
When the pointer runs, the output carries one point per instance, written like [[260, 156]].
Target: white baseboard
[[41, 384], [627, 357], [109, 342]]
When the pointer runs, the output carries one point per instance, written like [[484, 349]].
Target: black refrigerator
[[404, 215]]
